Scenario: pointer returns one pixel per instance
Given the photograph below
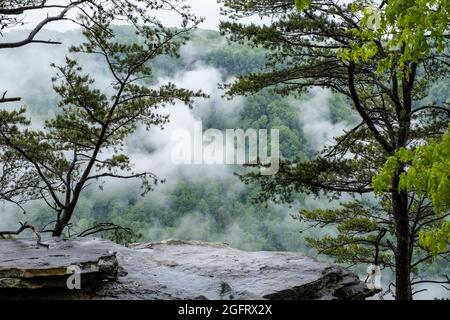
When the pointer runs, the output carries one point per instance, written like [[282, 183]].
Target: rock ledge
[[170, 269]]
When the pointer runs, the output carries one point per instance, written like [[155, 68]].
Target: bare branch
[[101, 227], [23, 227], [3, 99]]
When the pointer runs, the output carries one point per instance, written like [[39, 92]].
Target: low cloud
[[315, 118]]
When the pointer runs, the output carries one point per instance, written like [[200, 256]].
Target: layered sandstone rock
[[168, 270]]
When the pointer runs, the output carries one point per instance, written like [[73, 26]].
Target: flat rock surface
[[23, 264], [182, 270]]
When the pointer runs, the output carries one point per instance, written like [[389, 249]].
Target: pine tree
[[83, 142], [384, 59]]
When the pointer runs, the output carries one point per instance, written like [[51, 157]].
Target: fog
[[315, 117], [26, 72]]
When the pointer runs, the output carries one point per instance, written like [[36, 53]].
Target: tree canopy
[[83, 142], [385, 65], [425, 171]]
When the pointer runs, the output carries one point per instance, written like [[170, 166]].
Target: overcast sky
[[209, 9]]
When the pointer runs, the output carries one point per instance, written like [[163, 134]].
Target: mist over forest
[[199, 202], [194, 202]]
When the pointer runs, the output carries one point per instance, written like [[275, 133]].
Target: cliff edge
[[166, 270]]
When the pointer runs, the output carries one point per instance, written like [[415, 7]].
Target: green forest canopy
[[212, 209]]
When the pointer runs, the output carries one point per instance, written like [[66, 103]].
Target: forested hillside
[[198, 202], [195, 202]]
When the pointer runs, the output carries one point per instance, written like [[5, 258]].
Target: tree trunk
[[62, 223], [403, 234], [58, 229]]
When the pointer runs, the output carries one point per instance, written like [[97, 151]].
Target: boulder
[[169, 270]]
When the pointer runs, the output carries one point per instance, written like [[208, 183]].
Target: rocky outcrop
[[23, 265], [168, 270]]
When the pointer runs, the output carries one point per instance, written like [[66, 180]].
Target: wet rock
[[23, 265], [180, 270]]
